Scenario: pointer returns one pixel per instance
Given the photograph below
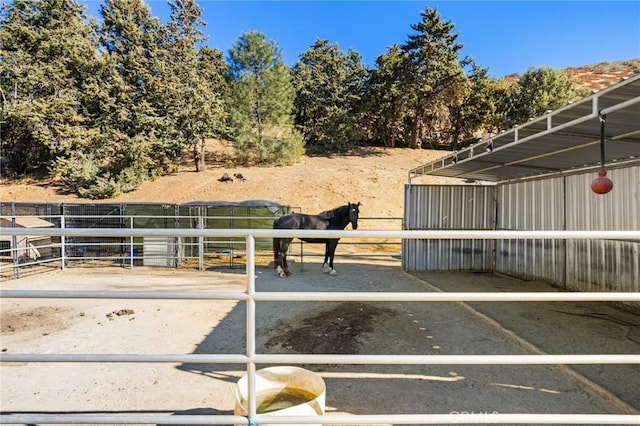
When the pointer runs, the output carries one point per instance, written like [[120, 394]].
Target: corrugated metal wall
[[550, 204], [535, 205], [604, 265], [448, 207]]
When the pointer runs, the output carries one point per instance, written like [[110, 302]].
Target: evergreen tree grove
[[56, 88], [101, 108]]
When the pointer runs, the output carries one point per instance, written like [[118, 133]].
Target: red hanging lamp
[[602, 184]]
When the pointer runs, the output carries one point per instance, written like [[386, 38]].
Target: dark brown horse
[[337, 218]]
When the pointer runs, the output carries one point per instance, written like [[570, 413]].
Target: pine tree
[[260, 102], [473, 108], [386, 100], [433, 70], [329, 94], [196, 106], [143, 140], [537, 91]]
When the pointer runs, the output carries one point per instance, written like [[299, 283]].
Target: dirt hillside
[[372, 176]]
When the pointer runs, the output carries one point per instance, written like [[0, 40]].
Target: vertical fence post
[[63, 245], [201, 242], [179, 247], [14, 244], [251, 327], [131, 244]]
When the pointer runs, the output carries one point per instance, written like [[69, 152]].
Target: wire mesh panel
[[253, 214], [82, 248], [153, 251], [48, 211]]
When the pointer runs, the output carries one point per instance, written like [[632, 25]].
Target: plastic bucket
[[283, 391]]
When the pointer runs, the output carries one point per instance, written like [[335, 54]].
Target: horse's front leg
[[329, 252], [280, 266], [325, 267]]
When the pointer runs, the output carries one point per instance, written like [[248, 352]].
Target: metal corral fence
[[37, 251], [250, 358]]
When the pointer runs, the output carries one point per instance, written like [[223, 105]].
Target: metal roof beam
[[557, 139]]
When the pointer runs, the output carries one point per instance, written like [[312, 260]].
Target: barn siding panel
[[448, 207], [533, 205], [551, 204], [604, 265]]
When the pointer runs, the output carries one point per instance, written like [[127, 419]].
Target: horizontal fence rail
[[331, 297], [407, 419], [251, 358], [333, 359], [630, 235]]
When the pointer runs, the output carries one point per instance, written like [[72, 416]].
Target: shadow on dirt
[[302, 327], [407, 328]]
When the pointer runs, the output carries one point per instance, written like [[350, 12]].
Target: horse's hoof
[[280, 272], [327, 269], [287, 272], [333, 272]]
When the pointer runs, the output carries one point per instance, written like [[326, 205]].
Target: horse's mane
[[334, 215], [337, 212]]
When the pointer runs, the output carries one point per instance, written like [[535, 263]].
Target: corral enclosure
[[150, 251], [409, 342], [372, 328], [385, 347]]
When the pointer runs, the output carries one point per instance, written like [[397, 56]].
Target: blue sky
[[505, 36]]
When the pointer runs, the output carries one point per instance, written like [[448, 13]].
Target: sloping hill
[[370, 175], [600, 75]]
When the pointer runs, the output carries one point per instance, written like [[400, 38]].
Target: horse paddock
[[158, 326]]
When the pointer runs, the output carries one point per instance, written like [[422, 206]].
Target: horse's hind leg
[[277, 257], [287, 272], [280, 248]]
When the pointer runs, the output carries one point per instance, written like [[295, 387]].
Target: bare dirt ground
[[373, 176], [121, 326]]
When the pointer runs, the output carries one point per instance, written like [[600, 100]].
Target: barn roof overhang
[[563, 141]]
